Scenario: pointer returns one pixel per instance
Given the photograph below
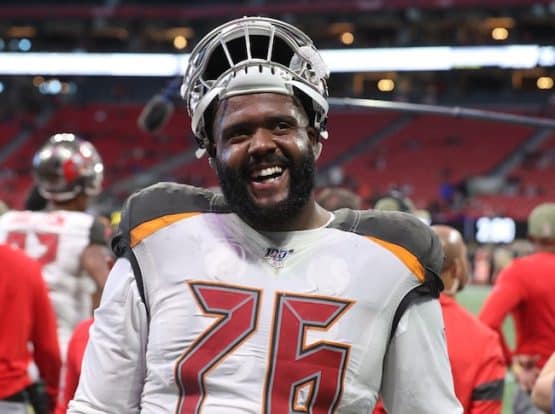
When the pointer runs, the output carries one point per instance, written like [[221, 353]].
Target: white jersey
[[57, 240], [234, 321]]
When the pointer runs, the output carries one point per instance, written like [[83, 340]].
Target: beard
[[234, 184]]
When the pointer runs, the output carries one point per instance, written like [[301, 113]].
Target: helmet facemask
[[254, 55]]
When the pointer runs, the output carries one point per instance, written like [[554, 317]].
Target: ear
[[459, 273], [449, 278], [317, 149], [454, 288]]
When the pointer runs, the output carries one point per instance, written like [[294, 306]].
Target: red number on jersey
[[237, 312], [47, 245], [300, 378], [16, 239], [305, 378]]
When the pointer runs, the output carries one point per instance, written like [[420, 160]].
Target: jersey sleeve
[[417, 375], [116, 349], [487, 394], [46, 350], [503, 298]]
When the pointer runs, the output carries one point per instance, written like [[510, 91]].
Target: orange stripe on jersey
[[145, 229], [405, 256]]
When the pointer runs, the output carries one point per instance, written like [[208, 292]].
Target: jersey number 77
[[44, 250]]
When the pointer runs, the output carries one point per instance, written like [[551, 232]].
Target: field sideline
[[472, 298]]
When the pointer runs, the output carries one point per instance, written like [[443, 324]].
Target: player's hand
[[526, 370]]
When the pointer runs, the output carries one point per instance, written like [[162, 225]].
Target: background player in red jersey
[[474, 350], [26, 318], [526, 289]]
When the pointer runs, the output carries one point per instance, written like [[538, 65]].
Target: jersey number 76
[[299, 377]]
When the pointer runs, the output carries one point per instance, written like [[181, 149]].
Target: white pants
[[8, 407]]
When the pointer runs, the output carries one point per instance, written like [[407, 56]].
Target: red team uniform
[[75, 352], [26, 317], [526, 290], [476, 359]]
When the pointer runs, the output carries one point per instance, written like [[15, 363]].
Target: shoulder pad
[[401, 229], [161, 200]]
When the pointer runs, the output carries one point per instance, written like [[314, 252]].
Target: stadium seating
[[431, 150], [417, 157]]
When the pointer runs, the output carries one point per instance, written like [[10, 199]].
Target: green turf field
[[472, 298]]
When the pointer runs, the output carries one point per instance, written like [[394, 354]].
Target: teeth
[[268, 171]]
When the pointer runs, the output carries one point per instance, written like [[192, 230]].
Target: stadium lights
[[347, 38], [339, 60], [499, 33], [544, 82], [180, 42]]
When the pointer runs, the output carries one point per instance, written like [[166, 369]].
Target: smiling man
[[260, 300], [264, 154]]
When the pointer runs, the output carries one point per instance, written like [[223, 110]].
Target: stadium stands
[[376, 151]]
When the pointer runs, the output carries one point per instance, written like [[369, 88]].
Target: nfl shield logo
[[275, 257]]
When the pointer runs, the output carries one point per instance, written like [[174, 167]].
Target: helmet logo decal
[[67, 166], [70, 170]]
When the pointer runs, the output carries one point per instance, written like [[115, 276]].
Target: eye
[[236, 135], [283, 127]]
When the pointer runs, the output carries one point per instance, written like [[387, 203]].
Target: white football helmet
[[254, 55], [67, 166]]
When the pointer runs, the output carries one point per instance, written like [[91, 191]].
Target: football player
[[70, 243], [526, 289], [258, 300]]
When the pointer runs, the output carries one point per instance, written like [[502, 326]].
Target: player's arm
[[113, 370], [96, 258], [487, 394], [46, 350], [542, 393], [503, 298], [417, 375]]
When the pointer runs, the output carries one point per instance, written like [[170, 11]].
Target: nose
[[261, 142]]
